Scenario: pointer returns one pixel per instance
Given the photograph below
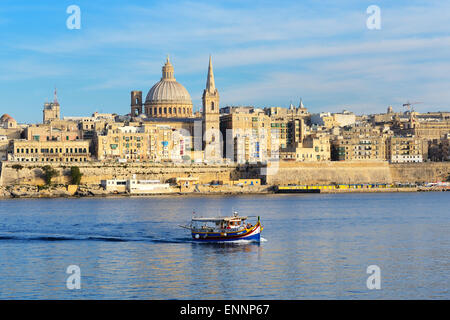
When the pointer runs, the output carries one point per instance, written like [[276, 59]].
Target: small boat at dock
[[220, 229]]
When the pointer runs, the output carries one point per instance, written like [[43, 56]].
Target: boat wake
[[105, 238], [109, 238]]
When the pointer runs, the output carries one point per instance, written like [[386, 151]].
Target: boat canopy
[[218, 219]]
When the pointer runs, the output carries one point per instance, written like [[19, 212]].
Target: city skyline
[[318, 52]]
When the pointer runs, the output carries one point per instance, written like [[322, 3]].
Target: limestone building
[[49, 151], [246, 134], [313, 148], [406, 149], [360, 142], [54, 131], [9, 130], [152, 142], [292, 112]]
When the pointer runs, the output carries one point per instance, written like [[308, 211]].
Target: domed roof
[[168, 90], [6, 117]]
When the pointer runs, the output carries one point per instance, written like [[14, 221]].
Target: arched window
[[170, 110], [212, 106]]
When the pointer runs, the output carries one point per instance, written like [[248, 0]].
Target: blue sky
[[265, 53]]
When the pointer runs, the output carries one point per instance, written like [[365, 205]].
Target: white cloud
[[331, 57]]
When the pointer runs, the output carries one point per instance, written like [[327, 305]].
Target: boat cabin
[[220, 224]]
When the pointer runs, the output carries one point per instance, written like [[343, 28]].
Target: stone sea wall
[[283, 173], [356, 172], [93, 173], [329, 172], [420, 172]]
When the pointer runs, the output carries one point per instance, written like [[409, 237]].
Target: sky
[[265, 53]]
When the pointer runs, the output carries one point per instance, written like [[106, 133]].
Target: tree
[[17, 167], [75, 175], [49, 173]]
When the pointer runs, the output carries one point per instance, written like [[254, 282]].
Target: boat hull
[[253, 234]]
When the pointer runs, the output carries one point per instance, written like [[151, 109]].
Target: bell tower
[[211, 123], [136, 103], [51, 110]]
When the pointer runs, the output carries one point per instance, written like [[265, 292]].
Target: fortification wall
[[32, 174], [329, 172], [283, 173], [420, 172], [357, 172]]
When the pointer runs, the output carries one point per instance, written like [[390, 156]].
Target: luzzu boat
[[219, 229]]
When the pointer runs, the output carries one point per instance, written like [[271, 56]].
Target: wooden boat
[[220, 229]]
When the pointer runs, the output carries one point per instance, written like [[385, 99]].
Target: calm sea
[[316, 247]]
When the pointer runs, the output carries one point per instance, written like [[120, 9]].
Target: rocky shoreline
[[61, 191], [26, 191]]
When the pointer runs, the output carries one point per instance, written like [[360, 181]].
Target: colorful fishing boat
[[220, 229]]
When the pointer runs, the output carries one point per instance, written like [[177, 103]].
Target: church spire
[[210, 85], [55, 101], [300, 105]]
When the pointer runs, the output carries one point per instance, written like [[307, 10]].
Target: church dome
[[168, 90], [5, 118], [7, 122]]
